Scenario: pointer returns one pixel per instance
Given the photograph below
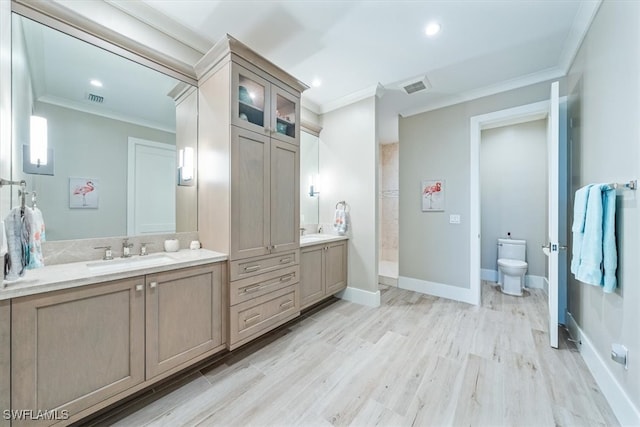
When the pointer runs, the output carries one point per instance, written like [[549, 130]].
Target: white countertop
[[318, 239], [71, 275]]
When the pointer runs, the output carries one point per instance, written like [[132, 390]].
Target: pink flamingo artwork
[[83, 190], [430, 190]]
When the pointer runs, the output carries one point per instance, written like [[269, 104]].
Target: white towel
[[35, 236], [341, 221]]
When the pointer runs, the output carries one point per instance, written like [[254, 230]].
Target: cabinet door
[[5, 357], [336, 267], [285, 116], [185, 311], [311, 275], [285, 197], [73, 349], [250, 101], [250, 187]]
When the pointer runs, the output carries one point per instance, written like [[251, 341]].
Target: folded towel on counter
[[598, 258]]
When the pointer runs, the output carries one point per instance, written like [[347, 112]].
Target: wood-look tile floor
[[416, 360]]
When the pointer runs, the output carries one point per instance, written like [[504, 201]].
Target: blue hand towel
[[590, 270], [579, 217], [609, 251]]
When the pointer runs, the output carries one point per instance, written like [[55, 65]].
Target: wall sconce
[[185, 167], [37, 157], [313, 188]]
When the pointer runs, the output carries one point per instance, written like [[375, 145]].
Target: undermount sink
[[313, 238], [115, 265]]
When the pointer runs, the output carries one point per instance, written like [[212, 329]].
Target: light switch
[[454, 219]]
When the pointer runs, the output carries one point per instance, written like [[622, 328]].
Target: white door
[[553, 132], [151, 198]]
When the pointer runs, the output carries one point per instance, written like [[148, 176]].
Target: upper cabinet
[[249, 158], [261, 106]]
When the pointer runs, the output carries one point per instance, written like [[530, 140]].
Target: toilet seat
[[513, 263]]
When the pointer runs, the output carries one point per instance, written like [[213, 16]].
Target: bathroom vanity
[[81, 341], [323, 268]]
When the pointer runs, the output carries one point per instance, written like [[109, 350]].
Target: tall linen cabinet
[[248, 183]]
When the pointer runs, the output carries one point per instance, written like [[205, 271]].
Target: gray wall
[[90, 146], [349, 168], [604, 84], [435, 144], [513, 176]]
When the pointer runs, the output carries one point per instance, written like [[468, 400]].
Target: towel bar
[[631, 185]]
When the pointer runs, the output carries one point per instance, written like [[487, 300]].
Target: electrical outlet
[[454, 219], [620, 354]]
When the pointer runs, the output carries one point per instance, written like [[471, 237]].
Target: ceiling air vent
[[95, 98], [416, 85]]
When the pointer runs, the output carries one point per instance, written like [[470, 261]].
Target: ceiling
[[360, 48], [61, 68]]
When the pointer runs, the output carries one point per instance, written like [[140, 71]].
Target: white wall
[[349, 168], [513, 188], [87, 146], [604, 106]]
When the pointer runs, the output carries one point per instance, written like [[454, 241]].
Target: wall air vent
[[416, 85], [95, 98]]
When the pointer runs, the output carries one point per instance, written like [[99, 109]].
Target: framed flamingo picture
[[83, 193], [432, 193]]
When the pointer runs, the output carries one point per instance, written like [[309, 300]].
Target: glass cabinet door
[[249, 98], [285, 116]]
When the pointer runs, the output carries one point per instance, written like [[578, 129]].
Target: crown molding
[[530, 79], [376, 90], [72, 105], [163, 23], [581, 24]]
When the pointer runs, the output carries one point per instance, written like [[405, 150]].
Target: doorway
[[389, 169], [555, 110]]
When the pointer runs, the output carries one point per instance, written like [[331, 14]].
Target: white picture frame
[[83, 193], [432, 193]]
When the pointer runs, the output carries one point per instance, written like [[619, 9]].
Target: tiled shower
[[389, 201]]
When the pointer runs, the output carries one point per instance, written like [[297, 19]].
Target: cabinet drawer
[[251, 267], [259, 315], [255, 286]]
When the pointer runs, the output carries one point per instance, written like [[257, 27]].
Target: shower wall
[[389, 197]]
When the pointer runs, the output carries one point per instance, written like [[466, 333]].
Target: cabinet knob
[[139, 288], [153, 284]]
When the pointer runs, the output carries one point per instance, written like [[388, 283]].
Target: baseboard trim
[[436, 289], [360, 296], [489, 275], [619, 400], [388, 281]]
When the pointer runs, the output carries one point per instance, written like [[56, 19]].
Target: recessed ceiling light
[[316, 82], [432, 29], [96, 83]]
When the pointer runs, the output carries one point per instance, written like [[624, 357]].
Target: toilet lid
[[511, 263]]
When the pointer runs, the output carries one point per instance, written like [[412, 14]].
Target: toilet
[[512, 266]]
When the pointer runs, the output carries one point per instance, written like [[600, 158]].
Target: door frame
[[510, 116], [132, 142]]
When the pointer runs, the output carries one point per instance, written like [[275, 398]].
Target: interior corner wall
[[604, 106], [348, 171], [435, 145]]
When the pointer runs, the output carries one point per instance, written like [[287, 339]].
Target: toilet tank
[[512, 249]]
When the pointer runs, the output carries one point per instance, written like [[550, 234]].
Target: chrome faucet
[[107, 252], [143, 249], [126, 248], [302, 230]]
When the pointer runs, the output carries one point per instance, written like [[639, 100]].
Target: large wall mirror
[[112, 137], [309, 179]]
